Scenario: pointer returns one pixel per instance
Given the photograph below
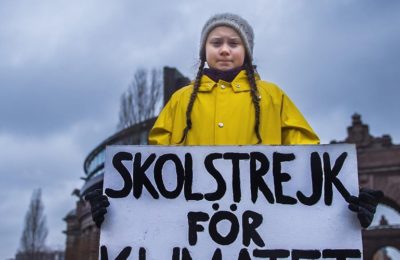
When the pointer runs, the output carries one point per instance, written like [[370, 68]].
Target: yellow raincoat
[[223, 114]]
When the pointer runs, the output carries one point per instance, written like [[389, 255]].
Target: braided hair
[[253, 91], [191, 100], [249, 67]]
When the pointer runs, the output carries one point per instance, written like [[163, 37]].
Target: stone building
[[82, 241], [378, 168], [378, 165]]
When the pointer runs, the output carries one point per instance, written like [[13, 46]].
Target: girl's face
[[224, 49]]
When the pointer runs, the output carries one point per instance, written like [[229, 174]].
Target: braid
[[191, 101], [254, 97]]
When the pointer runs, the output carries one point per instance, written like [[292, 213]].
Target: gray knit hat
[[240, 25]]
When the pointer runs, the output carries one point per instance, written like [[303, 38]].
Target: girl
[[228, 104]]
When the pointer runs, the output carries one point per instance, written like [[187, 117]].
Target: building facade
[[378, 167], [83, 236]]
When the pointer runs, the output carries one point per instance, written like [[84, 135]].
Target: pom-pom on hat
[[240, 25]]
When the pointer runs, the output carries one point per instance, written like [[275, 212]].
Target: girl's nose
[[224, 49]]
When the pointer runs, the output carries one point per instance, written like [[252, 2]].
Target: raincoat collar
[[239, 84]]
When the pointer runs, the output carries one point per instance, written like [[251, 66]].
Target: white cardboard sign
[[230, 202]]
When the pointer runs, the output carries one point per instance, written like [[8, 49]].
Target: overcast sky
[[64, 65]]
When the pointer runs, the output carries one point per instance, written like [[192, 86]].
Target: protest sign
[[230, 202]]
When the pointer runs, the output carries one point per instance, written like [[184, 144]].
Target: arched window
[[385, 215], [387, 253]]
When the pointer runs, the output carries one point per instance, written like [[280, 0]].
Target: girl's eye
[[234, 44], [216, 43]]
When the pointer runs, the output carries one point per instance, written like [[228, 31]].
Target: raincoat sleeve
[[295, 129], [161, 132]]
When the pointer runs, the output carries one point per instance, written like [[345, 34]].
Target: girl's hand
[[98, 204], [365, 205]]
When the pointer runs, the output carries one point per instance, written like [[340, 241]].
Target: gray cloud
[[337, 58]]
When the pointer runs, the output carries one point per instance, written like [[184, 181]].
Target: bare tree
[[35, 229], [140, 101]]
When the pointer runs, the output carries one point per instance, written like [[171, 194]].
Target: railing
[[94, 162]]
